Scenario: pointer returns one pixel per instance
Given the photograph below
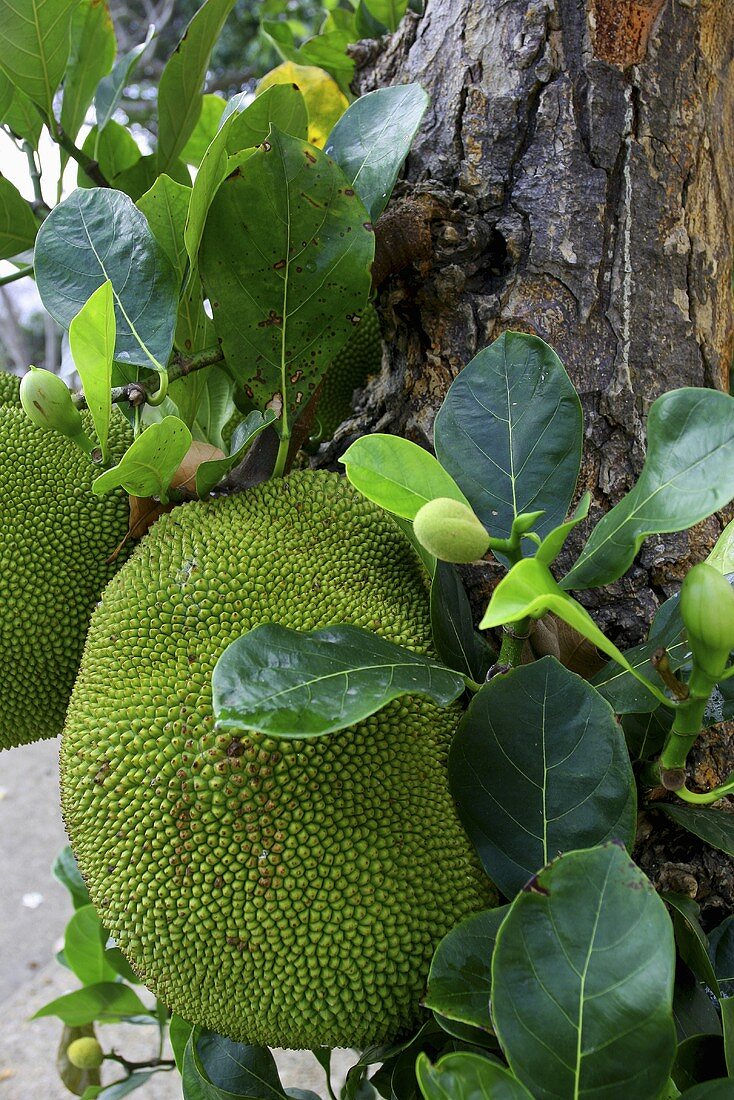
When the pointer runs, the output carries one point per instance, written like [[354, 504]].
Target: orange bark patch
[[621, 29]]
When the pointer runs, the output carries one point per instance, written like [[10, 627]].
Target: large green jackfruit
[[287, 893], [9, 388], [358, 359], [55, 540]]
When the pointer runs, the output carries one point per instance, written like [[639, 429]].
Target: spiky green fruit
[[85, 1053], [57, 537], [47, 403], [358, 359], [287, 893], [9, 388], [450, 531]]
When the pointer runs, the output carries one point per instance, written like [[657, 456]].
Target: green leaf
[[529, 589], [119, 964], [34, 46], [387, 12], [552, 544], [627, 693], [688, 475], [456, 641], [700, 1058], [6, 95], [693, 1008], [23, 119], [306, 684], [326, 51], [148, 465], [721, 1089], [165, 207], [691, 939], [714, 827], [721, 952], [92, 336], [215, 1068], [460, 978], [84, 947], [211, 473], [645, 734], [124, 1087], [18, 226], [109, 90], [114, 149], [727, 1020], [397, 474], [539, 766], [285, 261], [372, 139], [98, 235], [215, 407], [510, 433], [205, 131], [65, 870], [179, 1032], [106, 1001], [722, 554], [324, 99], [180, 92], [281, 106], [590, 946], [90, 60], [466, 1076]]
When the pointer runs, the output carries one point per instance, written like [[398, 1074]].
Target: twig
[[661, 663], [137, 393], [21, 273], [153, 1063], [86, 163]]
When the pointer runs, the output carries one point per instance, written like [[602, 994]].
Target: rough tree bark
[[574, 178]]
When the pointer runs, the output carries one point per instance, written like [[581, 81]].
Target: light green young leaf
[[34, 46], [211, 473], [90, 60], [529, 589], [115, 151], [293, 684], [165, 207], [388, 12], [84, 947], [105, 1001], [18, 227], [203, 134], [92, 336], [722, 555], [147, 467], [552, 544], [397, 474], [23, 118], [180, 92], [110, 89], [688, 475]]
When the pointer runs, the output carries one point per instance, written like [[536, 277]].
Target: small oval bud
[[450, 531], [85, 1053], [707, 610], [47, 403]]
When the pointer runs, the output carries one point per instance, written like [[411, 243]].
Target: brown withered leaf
[[185, 477]]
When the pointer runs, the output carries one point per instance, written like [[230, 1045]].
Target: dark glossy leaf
[[84, 947], [64, 869], [34, 46], [688, 475], [372, 139], [119, 964], [104, 1001], [457, 643], [90, 59], [397, 474], [460, 978], [216, 1068], [645, 733], [285, 261], [464, 1076], [691, 939], [180, 92], [693, 1009], [721, 1089], [727, 1021], [539, 766], [291, 684], [700, 1058], [624, 691], [721, 952], [18, 227], [510, 432], [715, 827], [211, 473], [109, 91], [97, 235], [591, 948], [148, 465]]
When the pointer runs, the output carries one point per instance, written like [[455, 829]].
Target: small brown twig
[[661, 663]]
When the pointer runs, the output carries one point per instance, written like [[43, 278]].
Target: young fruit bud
[[707, 610], [450, 531], [47, 402], [85, 1053]]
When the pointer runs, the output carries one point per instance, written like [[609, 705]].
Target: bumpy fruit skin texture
[[360, 357], [9, 388], [55, 538], [281, 893], [85, 1053]]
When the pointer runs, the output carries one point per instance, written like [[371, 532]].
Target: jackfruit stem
[[282, 457]]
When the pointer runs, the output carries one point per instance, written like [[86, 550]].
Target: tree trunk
[[574, 179]]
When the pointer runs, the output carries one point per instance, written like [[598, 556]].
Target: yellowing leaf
[[325, 102]]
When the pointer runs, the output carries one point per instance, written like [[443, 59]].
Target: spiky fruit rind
[[56, 539], [9, 388], [281, 893], [85, 1053], [358, 359], [450, 531]]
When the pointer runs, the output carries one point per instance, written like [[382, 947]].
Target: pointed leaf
[[291, 684], [34, 46], [510, 433], [456, 641], [181, 88], [460, 978], [64, 869], [688, 475], [552, 544], [92, 336], [104, 1001], [211, 473], [110, 89], [148, 465], [90, 60], [467, 1076], [591, 948], [539, 766], [388, 12], [397, 474], [98, 235], [247, 1071], [285, 261], [84, 947], [690, 938], [372, 139], [18, 226]]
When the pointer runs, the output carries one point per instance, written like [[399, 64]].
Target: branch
[[86, 163], [21, 273], [138, 393]]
